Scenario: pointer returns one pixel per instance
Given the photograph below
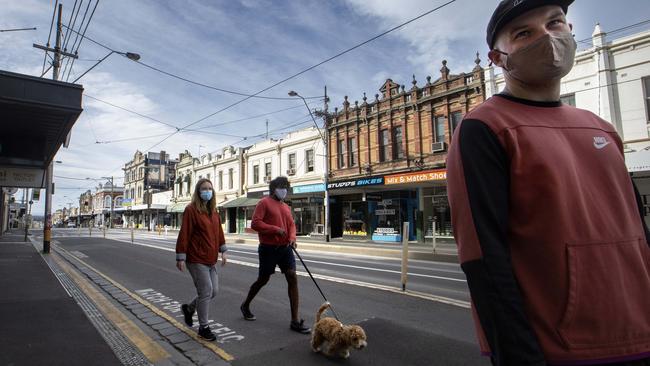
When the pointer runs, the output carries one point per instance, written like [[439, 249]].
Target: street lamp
[[130, 55], [327, 162]]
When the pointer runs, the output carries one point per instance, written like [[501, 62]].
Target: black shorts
[[273, 255]]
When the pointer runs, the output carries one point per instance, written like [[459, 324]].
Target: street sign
[[36, 195]]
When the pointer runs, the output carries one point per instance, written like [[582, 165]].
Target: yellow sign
[[426, 176]]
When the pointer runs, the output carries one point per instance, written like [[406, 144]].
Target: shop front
[[432, 215], [306, 204], [376, 208], [238, 214]]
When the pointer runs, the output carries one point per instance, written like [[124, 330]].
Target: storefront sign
[[309, 188], [127, 202], [357, 183], [426, 176], [22, 177]]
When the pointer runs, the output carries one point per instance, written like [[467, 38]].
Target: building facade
[[182, 188], [145, 175], [107, 196], [611, 78], [387, 157]]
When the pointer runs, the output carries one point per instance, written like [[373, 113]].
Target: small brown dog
[[340, 338]]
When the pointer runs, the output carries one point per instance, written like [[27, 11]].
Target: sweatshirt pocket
[[608, 298]]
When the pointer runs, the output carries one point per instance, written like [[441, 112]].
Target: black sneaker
[[246, 312], [206, 333], [299, 326], [187, 314]]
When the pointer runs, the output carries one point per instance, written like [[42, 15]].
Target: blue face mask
[[206, 195], [281, 193]]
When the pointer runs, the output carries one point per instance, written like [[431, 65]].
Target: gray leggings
[[207, 284]]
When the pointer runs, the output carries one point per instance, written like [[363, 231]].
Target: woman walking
[[198, 246]]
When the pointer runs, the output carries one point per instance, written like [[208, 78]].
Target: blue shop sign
[[362, 182], [309, 188]]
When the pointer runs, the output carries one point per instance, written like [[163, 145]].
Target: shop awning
[[177, 207], [241, 202], [638, 161]]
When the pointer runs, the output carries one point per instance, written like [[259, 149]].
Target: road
[[431, 324]]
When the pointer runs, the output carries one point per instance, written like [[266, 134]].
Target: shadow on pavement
[[388, 344]]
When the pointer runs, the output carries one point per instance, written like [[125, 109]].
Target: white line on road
[[422, 295], [370, 269]]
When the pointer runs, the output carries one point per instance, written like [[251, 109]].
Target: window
[[373, 108], [393, 92], [456, 117], [256, 174], [439, 128], [352, 144], [139, 192], [383, 145], [408, 97], [267, 170], [646, 94], [231, 178], [569, 99], [425, 92], [398, 147], [221, 180], [309, 157], [341, 153], [292, 162], [208, 176], [180, 188], [140, 173]]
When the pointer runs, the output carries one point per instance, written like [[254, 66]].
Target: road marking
[[217, 350], [79, 254], [224, 334], [371, 269], [421, 295], [152, 350]]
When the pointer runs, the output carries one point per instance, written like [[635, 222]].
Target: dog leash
[[315, 283]]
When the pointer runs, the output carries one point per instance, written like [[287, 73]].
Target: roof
[[37, 116], [240, 202]]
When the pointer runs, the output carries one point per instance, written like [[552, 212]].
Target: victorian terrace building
[[387, 157]]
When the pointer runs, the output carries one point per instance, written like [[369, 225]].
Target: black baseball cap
[[510, 9]]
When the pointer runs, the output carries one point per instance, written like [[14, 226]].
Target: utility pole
[[327, 169], [56, 65], [110, 224]]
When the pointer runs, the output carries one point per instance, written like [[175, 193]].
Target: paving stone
[[163, 325], [178, 338], [190, 345], [205, 357], [154, 320], [169, 331]]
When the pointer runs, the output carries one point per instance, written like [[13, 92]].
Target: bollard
[[159, 230], [165, 231], [90, 230], [104, 226], [132, 225], [405, 254], [434, 237]]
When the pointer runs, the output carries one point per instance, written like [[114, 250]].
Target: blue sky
[[246, 46]]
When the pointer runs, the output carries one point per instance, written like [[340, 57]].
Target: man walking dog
[[274, 223]]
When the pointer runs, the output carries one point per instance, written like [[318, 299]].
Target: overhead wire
[[192, 81], [74, 43], [307, 70], [49, 37], [83, 34], [296, 74]]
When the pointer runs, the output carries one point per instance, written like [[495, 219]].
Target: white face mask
[[281, 193]]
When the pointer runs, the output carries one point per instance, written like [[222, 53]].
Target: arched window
[[107, 201]]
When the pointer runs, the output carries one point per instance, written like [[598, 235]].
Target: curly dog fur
[[340, 338]]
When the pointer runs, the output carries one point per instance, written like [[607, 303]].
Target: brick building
[[387, 156]]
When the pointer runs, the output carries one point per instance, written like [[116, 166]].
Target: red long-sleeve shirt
[[201, 237], [269, 217]]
